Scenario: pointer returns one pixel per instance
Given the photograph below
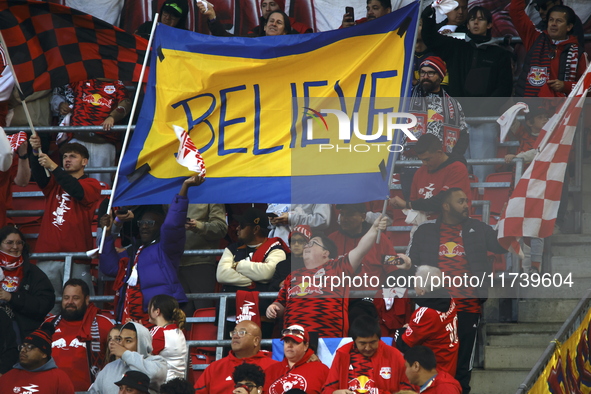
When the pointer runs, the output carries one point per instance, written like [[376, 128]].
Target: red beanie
[[436, 63]]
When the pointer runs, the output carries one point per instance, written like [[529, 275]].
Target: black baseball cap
[[135, 379], [253, 217]]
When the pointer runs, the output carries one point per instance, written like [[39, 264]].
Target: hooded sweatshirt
[[141, 360], [305, 374], [46, 379], [217, 377]]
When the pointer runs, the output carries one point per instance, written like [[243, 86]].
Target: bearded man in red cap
[[437, 113]]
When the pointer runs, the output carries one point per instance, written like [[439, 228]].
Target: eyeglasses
[[239, 333], [12, 243], [430, 74], [247, 386], [312, 243], [28, 347], [147, 223], [287, 331]]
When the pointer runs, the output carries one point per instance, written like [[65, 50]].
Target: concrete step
[[521, 328], [516, 340], [511, 357], [545, 310], [571, 244], [579, 266], [524, 334], [496, 382]]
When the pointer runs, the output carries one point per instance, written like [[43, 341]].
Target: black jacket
[[33, 300], [476, 68], [478, 237], [8, 351]]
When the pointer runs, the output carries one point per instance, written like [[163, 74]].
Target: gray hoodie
[[153, 366]]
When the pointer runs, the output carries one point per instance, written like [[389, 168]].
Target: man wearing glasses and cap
[[297, 370], [246, 348], [36, 371]]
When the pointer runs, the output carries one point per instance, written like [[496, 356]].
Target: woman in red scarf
[[25, 291]]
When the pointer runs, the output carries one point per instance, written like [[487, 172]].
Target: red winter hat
[[302, 229], [436, 63]]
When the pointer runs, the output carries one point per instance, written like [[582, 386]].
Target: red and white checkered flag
[[533, 206], [188, 154]]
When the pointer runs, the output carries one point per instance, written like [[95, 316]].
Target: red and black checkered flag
[[533, 206], [51, 45]]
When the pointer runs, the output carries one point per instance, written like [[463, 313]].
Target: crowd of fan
[[272, 247]]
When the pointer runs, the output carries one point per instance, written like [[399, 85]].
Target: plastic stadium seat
[[303, 12], [497, 196], [247, 16], [27, 203], [203, 331], [134, 13]]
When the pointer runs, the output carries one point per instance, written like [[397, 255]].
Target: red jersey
[[6, 179], [308, 376], [217, 377], [66, 224], [442, 383], [427, 184], [94, 100], [48, 381], [308, 296], [348, 371], [70, 349], [452, 262], [438, 331]]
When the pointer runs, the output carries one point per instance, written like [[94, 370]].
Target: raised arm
[[366, 242]]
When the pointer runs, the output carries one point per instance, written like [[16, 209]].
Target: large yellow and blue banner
[[307, 118], [569, 369]]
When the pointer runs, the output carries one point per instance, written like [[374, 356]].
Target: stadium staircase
[[511, 349]]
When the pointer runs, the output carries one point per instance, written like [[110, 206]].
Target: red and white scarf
[[9, 262]]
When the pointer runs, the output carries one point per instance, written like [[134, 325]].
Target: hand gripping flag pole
[[126, 139], [23, 99]]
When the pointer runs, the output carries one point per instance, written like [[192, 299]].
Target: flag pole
[[18, 86], [410, 67], [131, 115]]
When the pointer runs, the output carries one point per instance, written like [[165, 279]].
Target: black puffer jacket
[[476, 68], [33, 300]]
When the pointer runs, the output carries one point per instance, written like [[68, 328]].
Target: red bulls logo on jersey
[[451, 249], [538, 76], [97, 99], [363, 385]]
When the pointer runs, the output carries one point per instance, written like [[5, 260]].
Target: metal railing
[[565, 331]]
